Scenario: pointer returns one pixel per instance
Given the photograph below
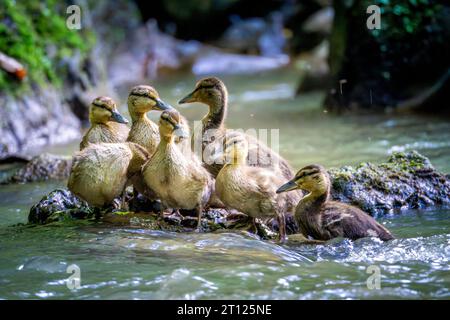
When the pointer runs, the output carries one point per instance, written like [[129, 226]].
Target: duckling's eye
[[101, 106], [206, 87]]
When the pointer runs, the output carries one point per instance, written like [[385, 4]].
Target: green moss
[[35, 33]]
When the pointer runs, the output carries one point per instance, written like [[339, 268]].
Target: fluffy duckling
[[107, 124], [212, 92], [101, 172], [323, 219], [179, 180], [144, 131], [252, 190]]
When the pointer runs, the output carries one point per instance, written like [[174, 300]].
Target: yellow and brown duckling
[[107, 124], [101, 172], [178, 179], [252, 190], [144, 131], [212, 92], [323, 219]]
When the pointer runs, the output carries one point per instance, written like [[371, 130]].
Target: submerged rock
[[405, 181], [41, 168]]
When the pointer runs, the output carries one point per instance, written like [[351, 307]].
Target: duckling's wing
[[342, 220], [99, 172], [259, 154]]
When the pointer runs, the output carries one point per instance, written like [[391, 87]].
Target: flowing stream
[[134, 263]]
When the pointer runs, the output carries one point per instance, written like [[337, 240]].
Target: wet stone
[[405, 181], [41, 168]]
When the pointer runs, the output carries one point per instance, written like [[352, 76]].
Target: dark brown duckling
[[324, 219], [107, 124], [212, 92]]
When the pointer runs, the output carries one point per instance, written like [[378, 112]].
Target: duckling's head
[[104, 109], [312, 178], [236, 150], [143, 99], [210, 91], [170, 125]]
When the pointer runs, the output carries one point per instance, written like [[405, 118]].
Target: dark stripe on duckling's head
[[105, 103], [173, 119], [209, 83], [171, 116], [310, 170], [205, 90], [144, 91], [312, 177]]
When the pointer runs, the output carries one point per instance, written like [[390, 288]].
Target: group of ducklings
[[156, 159]]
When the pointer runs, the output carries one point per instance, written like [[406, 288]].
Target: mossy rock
[[405, 181]]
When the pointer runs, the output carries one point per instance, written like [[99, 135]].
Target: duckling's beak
[[117, 117], [288, 186], [180, 132], [161, 105], [188, 99]]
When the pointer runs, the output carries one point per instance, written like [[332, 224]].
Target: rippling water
[[124, 263]]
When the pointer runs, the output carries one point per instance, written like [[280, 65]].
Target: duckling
[[144, 131], [213, 92], [323, 219], [252, 190], [107, 124], [100, 172], [179, 180]]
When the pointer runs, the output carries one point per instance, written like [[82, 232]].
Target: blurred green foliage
[[35, 33], [407, 16]]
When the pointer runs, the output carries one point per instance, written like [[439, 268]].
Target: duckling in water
[[323, 219], [252, 190], [144, 132], [100, 172], [107, 124], [179, 180], [212, 92]]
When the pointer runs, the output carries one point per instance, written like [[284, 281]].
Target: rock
[[33, 120], [59, 205], [406, 180], [41, 168]]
